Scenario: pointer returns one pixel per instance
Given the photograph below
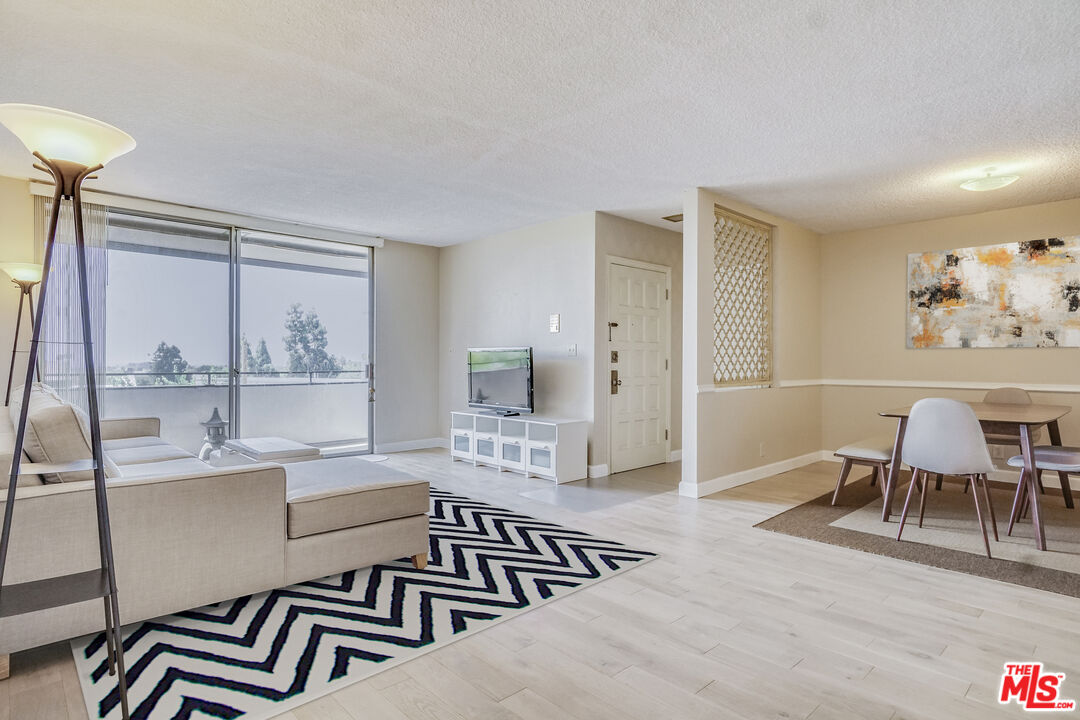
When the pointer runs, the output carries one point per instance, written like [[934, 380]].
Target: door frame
[[605, 358]]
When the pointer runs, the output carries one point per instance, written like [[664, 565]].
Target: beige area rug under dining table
[[950, 536]]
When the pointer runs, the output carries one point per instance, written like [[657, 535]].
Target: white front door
[[638, 372]]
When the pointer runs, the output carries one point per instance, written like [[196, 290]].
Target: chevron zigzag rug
[[260, 655]]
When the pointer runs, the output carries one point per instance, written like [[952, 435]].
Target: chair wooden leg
[[907, 501], [923, 485], [873, 475], [1038, 481], [938, 480], [5, 666], [419, 561], [1018, 501], [883, 473], [845, 468], [1066, 490], [967, 484], [990, 504], [978, 511]]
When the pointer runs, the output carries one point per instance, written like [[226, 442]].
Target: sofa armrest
[[117, 428], [180, 541]]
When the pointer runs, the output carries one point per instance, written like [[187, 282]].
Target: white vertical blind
[[61, 354]]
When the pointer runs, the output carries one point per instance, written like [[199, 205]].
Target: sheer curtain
[[62, 362]]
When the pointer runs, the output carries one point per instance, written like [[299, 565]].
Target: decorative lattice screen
[[742, 322]]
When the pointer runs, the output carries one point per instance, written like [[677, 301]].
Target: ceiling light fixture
[[990, 181]]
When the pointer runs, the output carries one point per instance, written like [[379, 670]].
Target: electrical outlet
[[571, 351], [761, 450]]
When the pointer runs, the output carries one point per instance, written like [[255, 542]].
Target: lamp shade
[[22, 272], [63, 135]]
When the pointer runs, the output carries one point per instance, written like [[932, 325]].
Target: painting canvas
[[1021, 294]]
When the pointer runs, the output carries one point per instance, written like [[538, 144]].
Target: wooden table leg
[[894, 470], [1055, 439], [1029, 465]]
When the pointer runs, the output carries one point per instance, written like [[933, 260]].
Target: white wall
[[501, 290], [406, 345], [616, 236], [724, 431]]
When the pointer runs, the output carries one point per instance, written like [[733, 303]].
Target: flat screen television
[[501, 379]]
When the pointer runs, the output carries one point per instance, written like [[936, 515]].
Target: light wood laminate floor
[[731, 622]]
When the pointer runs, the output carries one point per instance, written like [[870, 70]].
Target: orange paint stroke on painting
[[1050, 259], [927, 338], [1003, 297], [999, 256]]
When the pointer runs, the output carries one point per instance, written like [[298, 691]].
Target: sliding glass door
[[167, 323], [304, 347], [275, 331]]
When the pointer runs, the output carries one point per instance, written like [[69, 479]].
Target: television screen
[[500, 378]]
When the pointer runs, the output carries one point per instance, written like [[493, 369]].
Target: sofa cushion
[[131, 442], [181, 466], [54, 432], [337, 493], [147, 454], [272, 449]]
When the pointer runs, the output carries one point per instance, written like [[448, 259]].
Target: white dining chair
[[944, 436], [1003, 396], [1055, 458]]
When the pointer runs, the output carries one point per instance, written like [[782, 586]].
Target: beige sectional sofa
[[186, 534]]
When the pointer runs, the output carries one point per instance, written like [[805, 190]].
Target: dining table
[[997, 418]]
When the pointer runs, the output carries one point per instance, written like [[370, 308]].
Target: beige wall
[[406, 344], [501, 290], [724, 431], [623, 238], [16, 244], [864, 309]]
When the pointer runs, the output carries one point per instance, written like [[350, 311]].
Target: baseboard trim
[[674, 456], [724, 482], [598, 470], [403, 445]]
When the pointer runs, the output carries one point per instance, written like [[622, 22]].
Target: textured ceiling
[[441, 122]]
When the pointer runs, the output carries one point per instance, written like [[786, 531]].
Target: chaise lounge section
[[186, 534]]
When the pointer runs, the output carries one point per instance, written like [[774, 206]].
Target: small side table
[[244, 451]]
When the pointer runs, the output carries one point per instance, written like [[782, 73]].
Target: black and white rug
[[258, 656]]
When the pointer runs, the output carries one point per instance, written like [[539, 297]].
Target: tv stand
[[499, 413], [533, 446]]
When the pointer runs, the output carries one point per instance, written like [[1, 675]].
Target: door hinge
[[665, 434], [665, 364], [667, 294]]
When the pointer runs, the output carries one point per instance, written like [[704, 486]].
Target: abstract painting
[[1021, 294]]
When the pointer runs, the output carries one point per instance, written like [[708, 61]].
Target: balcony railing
[[310, 407], [220, 378]]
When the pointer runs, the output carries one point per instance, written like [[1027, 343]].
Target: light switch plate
[[553, 323], [572, 351]]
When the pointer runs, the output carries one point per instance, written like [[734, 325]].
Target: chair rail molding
[[883, 383]]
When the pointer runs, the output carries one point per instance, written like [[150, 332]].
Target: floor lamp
[[26, 276], [70, 148]]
